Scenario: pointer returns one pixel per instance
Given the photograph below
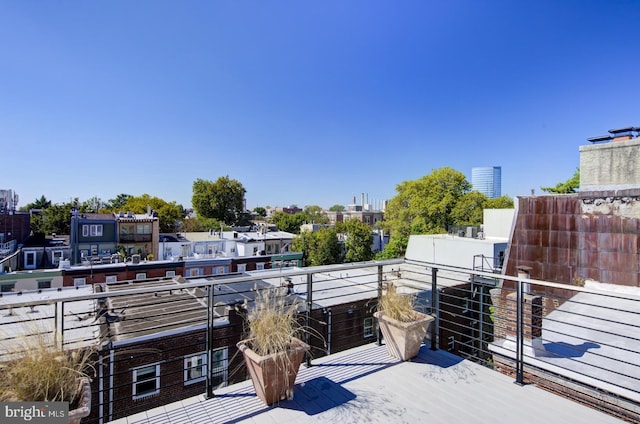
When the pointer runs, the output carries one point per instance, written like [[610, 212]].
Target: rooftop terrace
[[366, 385]]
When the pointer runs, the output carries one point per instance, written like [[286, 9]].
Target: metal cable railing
[[165, 340]]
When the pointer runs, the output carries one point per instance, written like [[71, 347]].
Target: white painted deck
[[365, 385]]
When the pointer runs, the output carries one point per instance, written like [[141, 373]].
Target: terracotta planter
[[274, 375], [84, 403], [403, 339]]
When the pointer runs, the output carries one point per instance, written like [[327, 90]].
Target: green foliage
[[319, 248], [196, 224], [118, 203], [396, 248], [289, 222], [260, 211], [502, 202], [572, 185], [358, 241], [222, 199], [57, 218], [315, 214], [424, 206], [169, 213], [468, 210], [41, 203], [337, 208], [93, 205]]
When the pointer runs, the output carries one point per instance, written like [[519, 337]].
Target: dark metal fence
[[159, 341]]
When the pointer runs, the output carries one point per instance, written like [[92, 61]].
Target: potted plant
[[403, 328], [272, 350], [36, 369]]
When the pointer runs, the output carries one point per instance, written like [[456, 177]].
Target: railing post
[[308, 316], [435, 325], [519, 334], [210, 321], [380, 277]]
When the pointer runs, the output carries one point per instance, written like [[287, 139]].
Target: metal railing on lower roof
[[161, 341]]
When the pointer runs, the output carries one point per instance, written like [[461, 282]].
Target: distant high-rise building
[[487, 180]]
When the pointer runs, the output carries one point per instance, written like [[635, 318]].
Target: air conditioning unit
[[135, 259]]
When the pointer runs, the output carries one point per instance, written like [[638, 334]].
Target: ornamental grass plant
[[272, 323], [35, 368], [397, 306]]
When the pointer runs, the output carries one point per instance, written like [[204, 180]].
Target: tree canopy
[[222, 200], [319, 247], [358, 240], [170, 214], [570, 186]]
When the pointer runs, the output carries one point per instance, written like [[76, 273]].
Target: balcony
[[134, 238], [579, 341]]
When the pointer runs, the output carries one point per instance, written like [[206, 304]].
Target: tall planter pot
[[84, 403], [403, 339], [274, 375]]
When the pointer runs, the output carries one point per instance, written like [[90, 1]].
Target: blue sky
[[306, 103]]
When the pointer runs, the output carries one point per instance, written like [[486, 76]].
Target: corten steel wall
[[565, 239]]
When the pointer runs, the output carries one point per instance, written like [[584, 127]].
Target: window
[[260, 266], [57, 256], [44, 284], [170, 274], [94, 230], [79, 282], [7, 287], [220, 270], [111, 279], [193, 272], [141, 275], [369, 327], [195, 368], [242, 267], [143, 229], [30, 260], [146, 381]]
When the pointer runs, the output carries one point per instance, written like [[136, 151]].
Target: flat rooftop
[[366, 385]]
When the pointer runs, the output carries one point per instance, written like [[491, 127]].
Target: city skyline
[[306, 104]]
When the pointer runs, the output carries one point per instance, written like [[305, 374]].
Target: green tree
[[570, 186], [359, 238], [117, 204], [424, 206], [502, 202], [289, 222], [41, 203], [468, 210], [318, 248], [222, 199], [337, 208], [194, 224], [170, 214], [57, 218], [260, 211], [327, 249], [396, 248], [93, 205], [315, 214]]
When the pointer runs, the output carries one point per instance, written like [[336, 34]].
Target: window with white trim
[[93, 230], [242, 267], [44, 284], [111, 279], [80, 282], [220, 270], [170, 274], [195, 368], [260, 266], [146, 381], [141, 275], [57, 256], [193, 272], [369, 327]]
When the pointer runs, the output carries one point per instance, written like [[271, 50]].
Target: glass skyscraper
[[487, 180]]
